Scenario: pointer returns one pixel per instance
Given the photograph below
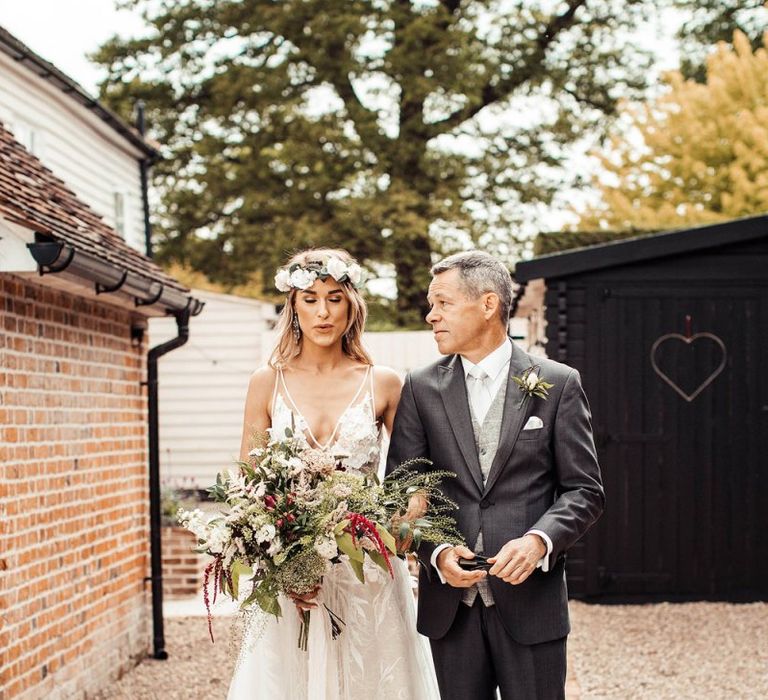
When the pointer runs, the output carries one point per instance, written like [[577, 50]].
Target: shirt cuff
[[433, 559], [543, 563]]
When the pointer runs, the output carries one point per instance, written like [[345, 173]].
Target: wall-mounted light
[[138, 326]]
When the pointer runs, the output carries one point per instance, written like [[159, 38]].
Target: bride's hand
[[305, 601]]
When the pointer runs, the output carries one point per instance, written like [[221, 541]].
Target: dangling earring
[[296, 328]]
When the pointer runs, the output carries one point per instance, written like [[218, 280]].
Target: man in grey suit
[[527, 487]]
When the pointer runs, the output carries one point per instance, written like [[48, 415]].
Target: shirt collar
[[493, 363]]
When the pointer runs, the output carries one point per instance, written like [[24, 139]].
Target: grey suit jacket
[[546, 479]]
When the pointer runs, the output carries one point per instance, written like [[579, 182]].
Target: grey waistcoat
[[486, 442]]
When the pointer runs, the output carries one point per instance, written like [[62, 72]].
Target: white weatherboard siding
[[202, 385], [91, 157]]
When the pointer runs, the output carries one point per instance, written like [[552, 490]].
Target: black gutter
[[158, 628], [57, 257]]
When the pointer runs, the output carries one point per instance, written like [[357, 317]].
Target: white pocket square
[[534, 423]]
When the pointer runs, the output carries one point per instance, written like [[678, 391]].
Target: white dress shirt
[[481, 393]]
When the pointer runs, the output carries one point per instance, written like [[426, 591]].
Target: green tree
[[697, 155], [309, 122], [709, 22]]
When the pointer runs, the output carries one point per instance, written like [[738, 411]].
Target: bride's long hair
[[288, 347]]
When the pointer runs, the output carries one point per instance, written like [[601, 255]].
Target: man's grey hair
[[481, 273]]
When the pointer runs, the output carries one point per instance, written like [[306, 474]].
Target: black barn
[[670, 333]]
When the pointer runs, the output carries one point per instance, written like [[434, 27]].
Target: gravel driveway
[[707, 651]]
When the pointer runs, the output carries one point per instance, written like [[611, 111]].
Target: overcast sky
[[63, 32]]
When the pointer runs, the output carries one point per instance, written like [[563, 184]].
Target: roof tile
[[33, 197]]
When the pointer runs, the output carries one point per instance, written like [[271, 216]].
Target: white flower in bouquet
[[194, 521], [266, 533], [302, 279], [326, 547], [336, 268], [341, 490], [218, 538], [281, 462], [275, 547], [355, 273], [296, 466], [319, 461], [283, 281]]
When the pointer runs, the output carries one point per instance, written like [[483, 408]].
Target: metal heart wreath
[[688, 340]]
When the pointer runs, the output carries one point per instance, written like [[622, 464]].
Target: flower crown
[[299, 276]]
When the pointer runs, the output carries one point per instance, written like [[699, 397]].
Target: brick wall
[[74, 540], [182, 568]]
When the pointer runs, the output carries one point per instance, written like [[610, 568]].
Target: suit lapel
[[513, 417], [453, 392]]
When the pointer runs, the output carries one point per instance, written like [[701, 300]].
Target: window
[[119, 202]]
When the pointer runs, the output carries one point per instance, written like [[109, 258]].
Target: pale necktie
[[479, 390]]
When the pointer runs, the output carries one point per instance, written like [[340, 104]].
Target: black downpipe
[[158, 630], [144, 164]]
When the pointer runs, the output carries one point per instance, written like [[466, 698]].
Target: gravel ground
[[195, 668], [706, 651]]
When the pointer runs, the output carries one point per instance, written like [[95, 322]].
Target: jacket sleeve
[[408, 439], [580, 496]]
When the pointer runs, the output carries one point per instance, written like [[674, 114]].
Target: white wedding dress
[[379, 655]]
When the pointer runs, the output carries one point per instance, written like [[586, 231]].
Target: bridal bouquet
[[291, 512]]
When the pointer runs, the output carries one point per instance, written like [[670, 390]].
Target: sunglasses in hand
[[479, 563]]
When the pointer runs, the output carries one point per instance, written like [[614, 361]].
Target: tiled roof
[[20, 52], [33, 197]]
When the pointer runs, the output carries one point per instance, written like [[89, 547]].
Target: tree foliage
[[702, 152], [709, 22], [382, 126]]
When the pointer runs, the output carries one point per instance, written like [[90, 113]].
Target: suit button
[[482, 452], [485, 504]]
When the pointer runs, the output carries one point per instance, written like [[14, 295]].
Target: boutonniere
[[531, 384]]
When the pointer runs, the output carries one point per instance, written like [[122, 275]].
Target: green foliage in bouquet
[[290, 513]]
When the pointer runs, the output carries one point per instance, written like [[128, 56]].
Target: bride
[[321, 382]]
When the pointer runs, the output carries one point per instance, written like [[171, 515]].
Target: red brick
[[74, 523]]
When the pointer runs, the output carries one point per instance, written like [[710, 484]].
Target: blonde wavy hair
[[288, 347]]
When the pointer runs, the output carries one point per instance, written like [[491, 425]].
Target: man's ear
[[490, 304]]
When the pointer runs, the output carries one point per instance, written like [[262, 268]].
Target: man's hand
[[417, 508], [517, 559], [454, 575]]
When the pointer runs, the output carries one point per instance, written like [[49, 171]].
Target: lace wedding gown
[[378, 655]]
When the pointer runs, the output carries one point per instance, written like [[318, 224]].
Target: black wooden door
[[684, 465]]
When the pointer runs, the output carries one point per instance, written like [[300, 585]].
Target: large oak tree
[[394, 128]]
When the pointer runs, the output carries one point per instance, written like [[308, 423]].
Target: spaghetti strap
[[295, 409], [278, 372]]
